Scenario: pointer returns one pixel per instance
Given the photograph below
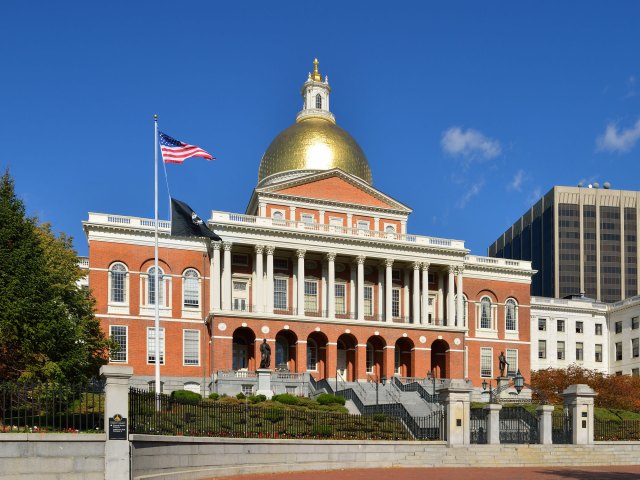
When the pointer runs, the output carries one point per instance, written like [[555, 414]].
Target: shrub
[[214, 396], [257, 398], [379, 417], [286, 398], [327, 399], [241, 396], [274, 415], [321, 431], [185, 395]]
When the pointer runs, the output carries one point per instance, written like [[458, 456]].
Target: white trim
[[491, 340]]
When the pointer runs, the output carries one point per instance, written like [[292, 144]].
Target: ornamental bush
[[286, 398], [185, 395], [328, 399]]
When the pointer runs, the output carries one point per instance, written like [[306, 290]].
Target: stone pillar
[[321, 216], [332, 360], [360, 285], [579, 400], [215, 276], [262, 207], [403, 227], [292, 214], [258, 296], [376, 224], [545, 424], [331, 285], [388, 290], [300, 254], [116, 403], [406, 302], [456, 396], [440, 313], [459, 298], [389, 354], [415, 317], [381, 295], [425, 294], [226, 277], [268, 290], [493, 423], [361, 361], [352, 289], [450, 297], [264, 383]]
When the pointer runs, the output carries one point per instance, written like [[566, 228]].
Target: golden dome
[[312, 144]]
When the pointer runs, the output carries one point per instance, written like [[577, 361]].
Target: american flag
[[175, 151]]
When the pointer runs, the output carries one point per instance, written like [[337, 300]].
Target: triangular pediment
[[335, 186]]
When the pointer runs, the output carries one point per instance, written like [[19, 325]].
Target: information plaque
[[117, 427]]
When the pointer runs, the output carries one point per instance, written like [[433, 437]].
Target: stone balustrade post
[[545, 424], [456, 396], [579, 399], [493, 423]]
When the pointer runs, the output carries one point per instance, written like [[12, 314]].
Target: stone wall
[[52, 456]]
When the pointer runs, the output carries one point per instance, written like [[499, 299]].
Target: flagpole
[[157, 286]]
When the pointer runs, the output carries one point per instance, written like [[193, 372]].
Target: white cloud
[[614, 140], [516, 182], [471, 144], [470, 193], [534, 196]]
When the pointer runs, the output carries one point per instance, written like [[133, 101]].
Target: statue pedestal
[[502, 382], [264, 383]]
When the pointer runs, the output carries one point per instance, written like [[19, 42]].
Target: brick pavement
[[630, 472]]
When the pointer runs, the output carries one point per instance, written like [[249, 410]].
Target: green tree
[[47, 327]]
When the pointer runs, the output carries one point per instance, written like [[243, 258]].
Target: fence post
[[116, 416], [455, 395], [545, 424], [579, 399], [493, 422]]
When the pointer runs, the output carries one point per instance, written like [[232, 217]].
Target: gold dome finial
[[316, 77]]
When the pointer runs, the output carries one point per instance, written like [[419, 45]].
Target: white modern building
[[624, 335]]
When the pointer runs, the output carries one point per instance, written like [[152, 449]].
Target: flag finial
[[316, 74], [155, 116]]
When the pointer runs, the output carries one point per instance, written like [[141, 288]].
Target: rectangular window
[[618, 351], [395, 275], [340, 298], [151, 345], [618, 327], [598, 329], [395, 303], [363, 225], [279, 293], [240, 295], [579, 327], [512, 360], [560, 348], [635, 372], [280, 264], [240, 259], [486, 363], [191, 347], [118, 333], [336, 221], [310, 296], [306, 218], [368, 300], [542, 324], [560, 325], [579, 351], [635, 348], [542, 349], [598, 352], [247, 389], [634, 323]]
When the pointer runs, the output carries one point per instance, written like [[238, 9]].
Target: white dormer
[[315, 94]]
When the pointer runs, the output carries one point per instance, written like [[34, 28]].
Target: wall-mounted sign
[[117, 427]]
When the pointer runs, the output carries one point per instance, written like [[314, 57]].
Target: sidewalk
[[631, 472]]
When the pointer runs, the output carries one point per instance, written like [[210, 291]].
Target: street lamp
[[518, 381], [484, 388]]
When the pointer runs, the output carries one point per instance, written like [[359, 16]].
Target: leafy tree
[[47, 327]]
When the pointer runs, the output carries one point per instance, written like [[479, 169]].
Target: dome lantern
[[315, 95]]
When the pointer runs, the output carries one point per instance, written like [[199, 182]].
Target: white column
[[360, 285], [388, 287], [450, 297], [226, 277], [300, 254], [215, 276], [415, 317], [381, 295], [459, 303], [268, 290], [440, 316], [403, 227], [292, 213], [349, 220], [294, 289], [321, 216], [425, 294], [354, 294], [406, 302], [257, 289], [376, 223], [262, 208], [331, 285]]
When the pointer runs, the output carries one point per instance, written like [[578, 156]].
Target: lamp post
[[484, 388]]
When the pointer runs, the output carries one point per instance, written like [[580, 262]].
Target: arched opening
[[317, 355], [439, 359], [375, 357], [243, 349], [404, 365], [346, 361], [318, 101], [286, 345]]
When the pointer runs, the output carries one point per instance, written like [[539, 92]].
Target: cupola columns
[[315, 94]]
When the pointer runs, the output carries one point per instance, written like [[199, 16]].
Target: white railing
[[498, 262], [226, 217], [135, 222], [83, 262]]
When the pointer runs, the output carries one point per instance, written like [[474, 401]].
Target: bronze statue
[[503, 363], [265, 351]]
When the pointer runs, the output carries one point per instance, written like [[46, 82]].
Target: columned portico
[[450, 297], [388, 287], [226, 279], [424, 318], [258, 298], [215, 280], [360, 286], [331, 282], [459, 300], [269, 290], [415, 318], [300, 254]]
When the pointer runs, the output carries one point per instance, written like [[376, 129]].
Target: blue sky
[[467, 111]]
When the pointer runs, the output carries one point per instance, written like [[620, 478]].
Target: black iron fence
[[478, 425], [161, 415], [517, 425], [561, 427], [51, 407], [612, 430]]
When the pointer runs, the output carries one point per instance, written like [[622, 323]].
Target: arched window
[[151, 286], [312, 356], [485, 312], [277, 215], [318, 101], [191, 288], [369, 358], [511, 315], [118, 288], [282, 353]]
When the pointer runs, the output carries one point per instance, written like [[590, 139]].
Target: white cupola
[[315, 93]]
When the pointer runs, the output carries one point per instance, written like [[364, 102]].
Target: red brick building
[[321, 265]]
